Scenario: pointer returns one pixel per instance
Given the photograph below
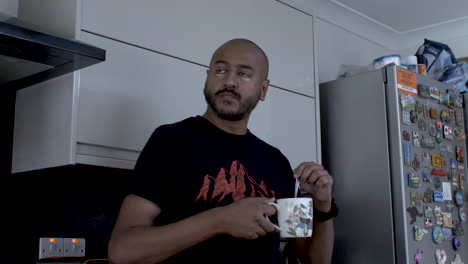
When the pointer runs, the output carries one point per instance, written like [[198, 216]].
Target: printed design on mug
[[235, 184], [299, 221]]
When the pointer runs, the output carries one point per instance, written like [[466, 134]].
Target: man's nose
[[231, 80]]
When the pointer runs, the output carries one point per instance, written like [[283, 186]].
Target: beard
[[246, 104]]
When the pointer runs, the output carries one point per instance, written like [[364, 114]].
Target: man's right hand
[[246, 218]]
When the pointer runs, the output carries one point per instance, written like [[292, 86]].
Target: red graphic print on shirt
[[235, 184]]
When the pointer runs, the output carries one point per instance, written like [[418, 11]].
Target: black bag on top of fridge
[[438, 56]]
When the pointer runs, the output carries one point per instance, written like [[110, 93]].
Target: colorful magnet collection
[[433, 140]]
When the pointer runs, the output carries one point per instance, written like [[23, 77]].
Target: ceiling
[[403, 16]]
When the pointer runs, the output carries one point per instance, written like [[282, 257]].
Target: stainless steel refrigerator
[[395, 144]]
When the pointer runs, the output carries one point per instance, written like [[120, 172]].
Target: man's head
[[236, 79]]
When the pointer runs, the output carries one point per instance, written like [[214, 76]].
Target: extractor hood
[[28, 57]]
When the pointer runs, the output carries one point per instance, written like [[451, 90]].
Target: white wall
[[337, 46], [9, 8]]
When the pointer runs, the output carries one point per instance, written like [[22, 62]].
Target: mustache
[[227, 90]]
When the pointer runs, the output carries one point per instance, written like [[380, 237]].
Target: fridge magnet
[[459, 134], [452, 116], [432, 129], [419, 233], [438, 197], [426, 159], [422, 125], [457, 260], [437, 182], [428, 195], [450, 206], [458, 198], [438, 138], [416, 198], [461, 181], [450, 98], [453, 164], [439, 220], [424, 91], [427, 143], [414, 180], [459, 117], [407, 102], [443, 159], [435, 93], [414, 116], [419, 256], [458, 229], [439, 172], [459, 154], [427, 177], [443, 147], [461, 167], [444, 99], [436, 160], [448, 132], [428, 224], [458, 101], [426, 111], [418, 106], [447, 233], [462, 213], [447, 191], [413, 212], [447, 219], [407, 154], [415, 163], [406, 136], [454, 177], [445, 116], [437, 235], [406, 118], [415, 138], [441, 256], [438, 125], [434, 113], [428, 212], [456, 243]]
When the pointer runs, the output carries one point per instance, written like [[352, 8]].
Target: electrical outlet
[[50, 247], [74, 247]]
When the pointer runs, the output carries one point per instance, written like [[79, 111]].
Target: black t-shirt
[[192, 166]]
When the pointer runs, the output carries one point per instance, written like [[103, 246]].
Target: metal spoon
[[296, 188]]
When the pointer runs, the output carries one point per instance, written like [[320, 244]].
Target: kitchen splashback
[[71, 201]]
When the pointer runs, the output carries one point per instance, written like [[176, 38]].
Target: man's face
[[236, 81]]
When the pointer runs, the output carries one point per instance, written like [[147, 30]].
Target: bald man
[[202, 186]]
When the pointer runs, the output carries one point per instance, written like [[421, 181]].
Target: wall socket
[[74, 247], [50, 247], [58, 247]]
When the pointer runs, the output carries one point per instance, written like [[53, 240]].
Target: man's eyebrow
[[241, 66]]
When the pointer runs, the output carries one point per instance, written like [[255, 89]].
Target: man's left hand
[[316, 181]]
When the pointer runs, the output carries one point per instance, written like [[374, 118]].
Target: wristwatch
[[322, 216]]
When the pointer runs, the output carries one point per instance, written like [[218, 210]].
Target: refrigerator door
[[424, 163], [355, 149]]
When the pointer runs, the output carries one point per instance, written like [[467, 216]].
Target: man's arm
[[134, 239], [317, 182]]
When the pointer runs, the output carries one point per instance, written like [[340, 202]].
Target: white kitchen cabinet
[[104, 114], [192, 30]]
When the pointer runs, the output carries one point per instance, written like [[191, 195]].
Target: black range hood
[[28, 57]]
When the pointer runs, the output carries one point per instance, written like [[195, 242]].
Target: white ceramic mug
[[294, 217]]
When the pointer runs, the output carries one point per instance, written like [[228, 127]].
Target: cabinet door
[[292, 125], [192, 30], [123, 99]]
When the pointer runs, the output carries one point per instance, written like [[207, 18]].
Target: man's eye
[[244, 74], [220, 70]]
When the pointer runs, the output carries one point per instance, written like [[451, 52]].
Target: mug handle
[[277, 208]]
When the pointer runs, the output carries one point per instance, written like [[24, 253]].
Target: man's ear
[[264, 91]]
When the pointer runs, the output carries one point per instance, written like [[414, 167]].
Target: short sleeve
[[150, 175]]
